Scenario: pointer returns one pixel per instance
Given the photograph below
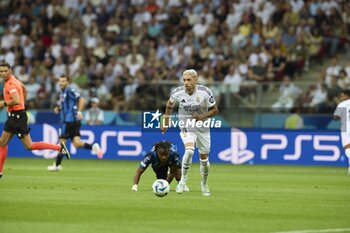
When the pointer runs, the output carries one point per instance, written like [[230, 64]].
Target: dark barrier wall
[[236, 146]]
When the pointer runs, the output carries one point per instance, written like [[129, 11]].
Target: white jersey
[[343, 111], [199, 102]]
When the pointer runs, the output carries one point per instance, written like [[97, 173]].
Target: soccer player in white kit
[[342, 112], [196, 102]]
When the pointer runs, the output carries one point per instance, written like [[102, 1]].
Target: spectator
[[288, 94], [117, 92], [258, 72], [277, 64], [319, 97], [333, 95], [343, 80], [233, 81], [332, 71], [154, 28], [134, 61], [294, 121], [22, 75], [102, 93], [334, 90], [59, 68], [199, 29], [270, 32], [233, 18], [88, 16], [32, 92], [87, 35], [8, 39], [314, 42], [94, 115]]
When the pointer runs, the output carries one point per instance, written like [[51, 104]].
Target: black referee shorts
[[69, 130], [17, 123]]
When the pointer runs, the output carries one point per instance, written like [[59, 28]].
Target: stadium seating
[[333, 125], [275, 121]]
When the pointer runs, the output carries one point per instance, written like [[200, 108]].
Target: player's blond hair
[[191, 73]]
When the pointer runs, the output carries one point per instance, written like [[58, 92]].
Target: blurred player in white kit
[[196, 102], [342, 112]]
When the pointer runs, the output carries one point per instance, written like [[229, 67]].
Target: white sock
[[204, 168], [186, 163], [347, 153]]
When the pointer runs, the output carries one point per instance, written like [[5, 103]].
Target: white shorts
[[345, 138], [200, 139]]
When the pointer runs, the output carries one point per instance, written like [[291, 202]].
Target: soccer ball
[[160, 188]]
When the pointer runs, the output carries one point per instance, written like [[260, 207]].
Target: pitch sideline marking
[[317, 231]]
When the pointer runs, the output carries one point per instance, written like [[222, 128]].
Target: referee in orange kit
[[14, 99]]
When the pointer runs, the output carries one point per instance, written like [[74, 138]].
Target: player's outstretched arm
[[81, 105], [137, 177], [174, 172], [24, 91]]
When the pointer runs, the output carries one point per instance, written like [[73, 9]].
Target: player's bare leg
[[30, 145], [204, 169], [5, 138], [176, 172], [347, 153], [186, 163], [57, 164], [94, 147]]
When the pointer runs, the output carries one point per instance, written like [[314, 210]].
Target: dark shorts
[[70, 130], [17, 123], [161, 172]]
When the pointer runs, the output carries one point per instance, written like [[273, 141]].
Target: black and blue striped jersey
[[152, 158], [69, 99]]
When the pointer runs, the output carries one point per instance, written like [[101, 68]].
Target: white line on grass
[[318, 231]]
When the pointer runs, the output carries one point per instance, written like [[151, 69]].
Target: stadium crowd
[[119, 51]]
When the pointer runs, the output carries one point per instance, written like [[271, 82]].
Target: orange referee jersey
[[11, 86]]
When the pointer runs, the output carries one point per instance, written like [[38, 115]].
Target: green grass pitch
[[96, 196]]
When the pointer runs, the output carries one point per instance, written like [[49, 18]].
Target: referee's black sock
[[87, 146], [59, 159]]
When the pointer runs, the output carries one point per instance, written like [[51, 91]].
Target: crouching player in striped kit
[[165, 162], [196, 104]]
